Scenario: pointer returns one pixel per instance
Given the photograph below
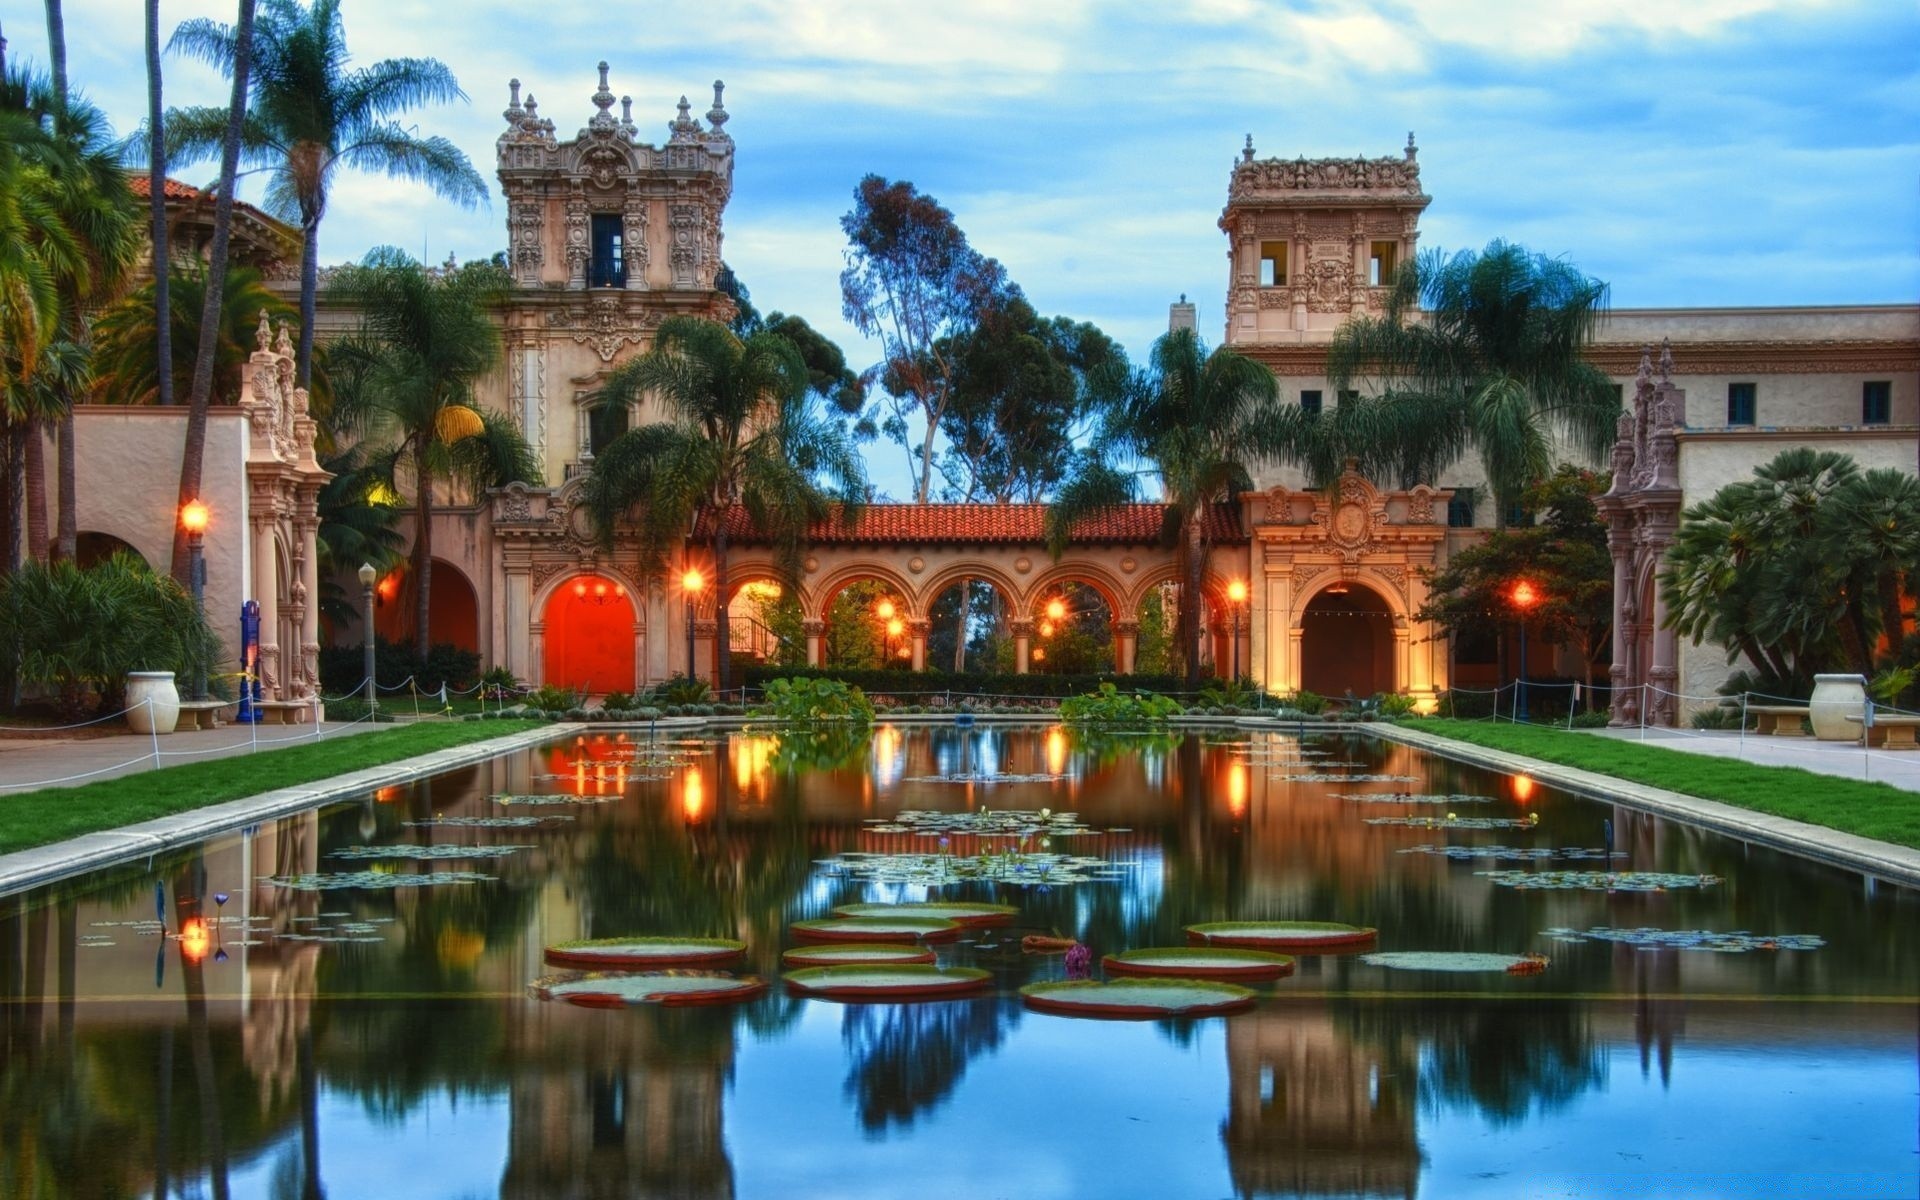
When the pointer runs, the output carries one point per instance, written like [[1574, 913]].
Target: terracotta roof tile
[[1003, 524], [142, 186]]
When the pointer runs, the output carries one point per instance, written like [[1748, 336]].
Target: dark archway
[[453, 610], [1346, 642], [90, 549]]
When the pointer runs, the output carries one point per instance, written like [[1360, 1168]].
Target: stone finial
[[1246, 151], [683, 126], [717, 115], [263, 336], [514, 111], [1412, 148], [603, 74], [603, 100], [1645, 374], [626, 113], [283, 341], [533, 108], [1666, 360]]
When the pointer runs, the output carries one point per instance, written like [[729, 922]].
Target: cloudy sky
[[1691, 152]]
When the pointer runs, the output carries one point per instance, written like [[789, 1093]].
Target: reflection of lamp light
[[1057, 609], [1522, 788], [1237, 790], [194, 941], [693, 795], [1056, 751]]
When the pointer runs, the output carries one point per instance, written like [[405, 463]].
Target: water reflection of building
[[1313, 1112]]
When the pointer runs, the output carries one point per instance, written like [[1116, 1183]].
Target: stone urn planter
[[163, 713], [1834, 699]]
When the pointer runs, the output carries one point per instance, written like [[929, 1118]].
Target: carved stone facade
[[1642, 510]]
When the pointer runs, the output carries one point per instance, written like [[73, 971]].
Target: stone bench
[[284, 712], [1780, 720], [1892, 732], [203, 714]]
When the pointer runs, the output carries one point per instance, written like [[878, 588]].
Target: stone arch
[[584, 644], [820, 597], [453, 608], [1213, 585], [93, 547], [1111, 590], [748, 634], [942, 629], [1348, 634], [948, 576]]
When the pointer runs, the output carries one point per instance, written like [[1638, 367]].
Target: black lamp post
[[367, 576]]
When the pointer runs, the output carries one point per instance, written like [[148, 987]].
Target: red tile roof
[[1002, 524], [142, 186]]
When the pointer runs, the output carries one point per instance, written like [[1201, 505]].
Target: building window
[[1519, 516], [1273, 264], [1345, 395], [603, 426], [1876, 402], [1310, 402], [1380, 264], [1741, 403], [1460, 509], [609, 266]]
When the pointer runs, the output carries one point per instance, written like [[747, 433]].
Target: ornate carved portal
[[1642, 510]]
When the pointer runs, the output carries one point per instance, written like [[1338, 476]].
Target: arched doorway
[[1346, 642], [90, 549], [588, 636], [453, 611]]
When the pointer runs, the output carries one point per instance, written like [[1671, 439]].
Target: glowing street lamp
[[193, 518], [1236, 597], [885, 610], [1056, 609], [1524, 597], [691, 583]]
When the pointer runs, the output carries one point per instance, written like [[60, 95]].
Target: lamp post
[[193, 518], [1236, 597], [367, 576], [691, 583], [1524, 597]]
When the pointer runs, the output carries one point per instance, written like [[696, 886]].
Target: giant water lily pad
[[1647, 938], [403, 850], [1448, 960], [628, 953], [1452, 822], [856, 953], [1345, 778], [1140, 999], [328, 881], [986, 822], [1599, 881], [1018, 868], [878, 929], [539, 798], [1514, 853], [535, 822], [597, 989], [869, 981], [1413, 798], [1199, 962], [1307, 936], [966, 912]]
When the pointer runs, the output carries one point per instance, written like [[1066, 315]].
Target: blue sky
[[1690, 152]]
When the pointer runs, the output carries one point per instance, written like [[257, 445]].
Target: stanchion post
[[153, 732], [367, 576]]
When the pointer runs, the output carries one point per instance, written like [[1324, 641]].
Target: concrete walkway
[[27, 763], [1845, 760]]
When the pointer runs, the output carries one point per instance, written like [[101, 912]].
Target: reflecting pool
[[336, 1003]]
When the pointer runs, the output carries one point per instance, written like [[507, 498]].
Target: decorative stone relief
[[916, 564], [1023, 564], [1330, 285], [1276, 297], [1128, 565]]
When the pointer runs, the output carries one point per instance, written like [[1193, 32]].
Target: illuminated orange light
[[194, 941], [580, 589], [1057, 609], [1056, 751], [1039, 654], [389, 586], [692, 583], [193, 516], [1237, 591], [896, 627], [903, 652], [600, 590], [1525, 595], [1523, 788], [1046, 629], [885, 610], [693, 795]]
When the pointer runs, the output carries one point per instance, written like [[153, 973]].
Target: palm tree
[[1875, 522], [1201, 421], [126, 366], [311, 117], [356, 509], [403, 386], [158, 250], [1482, 353], [742, 429]]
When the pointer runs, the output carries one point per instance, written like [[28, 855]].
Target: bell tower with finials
[[1313, 241], [607, 236]]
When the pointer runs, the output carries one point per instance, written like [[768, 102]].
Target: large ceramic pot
[[163, 713], [1834, 699]]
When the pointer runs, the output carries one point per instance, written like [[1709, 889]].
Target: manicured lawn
[[53, 814], [1874, 810]]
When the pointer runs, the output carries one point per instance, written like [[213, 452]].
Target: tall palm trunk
[[157, 213], [309, 293], [722, 642], [69, 526], [35, 460], [960, 634], [194, 452], [422, 551], [1191, 600]]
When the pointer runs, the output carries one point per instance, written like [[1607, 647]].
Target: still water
[[378, 1041]]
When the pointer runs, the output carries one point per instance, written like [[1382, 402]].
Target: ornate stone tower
[[607, 235], [1312, 241]]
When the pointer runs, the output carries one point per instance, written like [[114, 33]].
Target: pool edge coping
[[1884, 860], [24, 870]]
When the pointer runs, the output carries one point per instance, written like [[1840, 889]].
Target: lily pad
[[867, 981], [537, 798], [1017, 868], [597, 989], [1648, 938], [1344, 778], [1514, 853], [491, 822], [631, 952], [335, 880], [1445, 960], [1138, 999], [1199, 962], [986, 779], [1413, 798], [1307, 936], [403, 850], [964, 911], [1599, 881], [878, 929], [1452, 822], [861, 953]]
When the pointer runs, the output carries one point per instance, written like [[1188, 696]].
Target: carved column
[[536, 652], [705, 634], [516, 610], [266, 589], [1126, 642], [307, 529], [1620, 546], [1402, 640], [1022, 644], [917, 631], [816, 631], [1290, 677]]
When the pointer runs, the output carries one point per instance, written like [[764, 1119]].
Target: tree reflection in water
[[909, 1058]]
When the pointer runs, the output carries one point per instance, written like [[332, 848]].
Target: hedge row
[[902, 683]]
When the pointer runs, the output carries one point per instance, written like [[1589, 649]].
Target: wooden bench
[[1780, 720], [1892, 732], [203, 714], [283, 712]]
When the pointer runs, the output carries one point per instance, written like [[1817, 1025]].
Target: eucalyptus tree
[[403, 387], [741, 429], [312, 117], [1481, 353], [1201, 422]]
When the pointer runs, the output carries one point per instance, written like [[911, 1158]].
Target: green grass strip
[[1875, 810], [54, 814]]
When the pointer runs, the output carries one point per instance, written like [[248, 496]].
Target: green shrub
[[909, 683], [616, 700], [1109, 706], [680, 689], [552, 698], [1593, 719], [1389, 704], [1304, 701], [499, 684], [1720, 716], [817, 700]]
